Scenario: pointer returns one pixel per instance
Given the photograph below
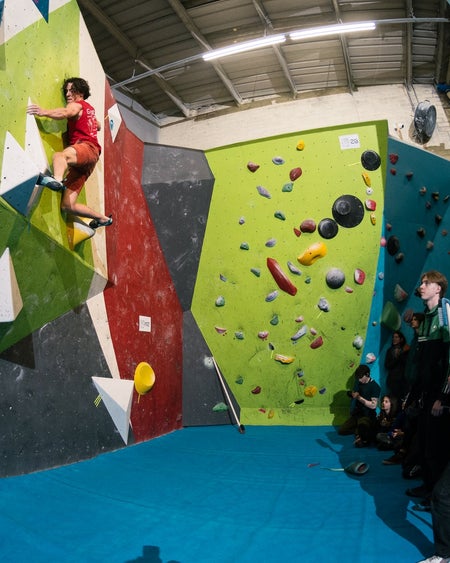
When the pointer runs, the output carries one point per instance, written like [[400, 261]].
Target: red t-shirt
[[83, 129]]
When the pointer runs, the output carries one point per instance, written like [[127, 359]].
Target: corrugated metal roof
[[151, 49]]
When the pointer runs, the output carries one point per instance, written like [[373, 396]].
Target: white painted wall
[[394, 103]]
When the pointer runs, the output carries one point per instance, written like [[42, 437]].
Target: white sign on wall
[[349, 141]]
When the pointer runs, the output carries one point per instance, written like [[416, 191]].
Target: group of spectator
[[413, 419]]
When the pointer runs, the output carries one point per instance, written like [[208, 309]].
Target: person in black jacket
[[363, 413], [428, 390]]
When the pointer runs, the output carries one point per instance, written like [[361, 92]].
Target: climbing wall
[[288, 267], [90, 323]]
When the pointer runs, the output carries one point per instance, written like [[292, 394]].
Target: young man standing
[[81, 153], [432, 361]]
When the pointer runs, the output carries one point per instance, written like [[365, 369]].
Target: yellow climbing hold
[[312, 253], [310, 391], [284, 359], [300, 145], [366, 179]]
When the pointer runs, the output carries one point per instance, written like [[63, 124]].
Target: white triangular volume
[[115, 120], [34, 147], [117, 394], [20, 14], [10, 299], [17, 166]]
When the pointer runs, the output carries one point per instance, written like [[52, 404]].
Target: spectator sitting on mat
[[363, 415]]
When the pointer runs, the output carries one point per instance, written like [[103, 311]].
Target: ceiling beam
[[181, 12], [132, 50], [344, 47], [264, 16]]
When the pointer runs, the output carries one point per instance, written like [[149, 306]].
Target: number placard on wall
[[349, 141]]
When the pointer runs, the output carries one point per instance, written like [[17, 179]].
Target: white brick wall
[[393, 103]]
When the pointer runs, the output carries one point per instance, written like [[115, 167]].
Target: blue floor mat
[[211, 494]]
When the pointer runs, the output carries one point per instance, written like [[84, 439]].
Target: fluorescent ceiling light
[[331, 30], [246, 46]]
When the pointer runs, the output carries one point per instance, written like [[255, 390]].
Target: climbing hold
[[271, 242], [283, 359], [288, 187], [393, 171], [220, 407], [421, 232], [358, 342], [252, 166], [399, 293], [328, 228], [373, 218], [348, 289], [322, 390], [359, 276], [310, 391], [317, 343], [263, 192], [144, 378], [255, 271], [366, 179], [293, 269], [323, 305], [393, 245], [435, 196], [300, 145], [393, 158], [370, 160], [371, 205], [301, 332], [399, 257], [239, 335], [297, 232], [241, 221], [390, 317], [295, 173], [222, 278], [278, 160], [274, 320], [430, 245], [335, 278], [279, 215], [263, 334], [348, 211], [280, 277], [220, 330], [308, 226], [220, 301], [409, 175], [438, 219], [271, 296], [240, 380], [256, 390], [423, 190], [244, 246], [312, 253]]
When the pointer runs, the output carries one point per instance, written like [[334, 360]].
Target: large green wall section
[[247, 225]]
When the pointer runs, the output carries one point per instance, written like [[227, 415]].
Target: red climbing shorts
[[87, 157]]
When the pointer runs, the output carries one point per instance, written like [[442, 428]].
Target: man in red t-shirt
[[81, 153]]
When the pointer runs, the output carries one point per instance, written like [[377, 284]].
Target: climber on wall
[[81, 153]]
